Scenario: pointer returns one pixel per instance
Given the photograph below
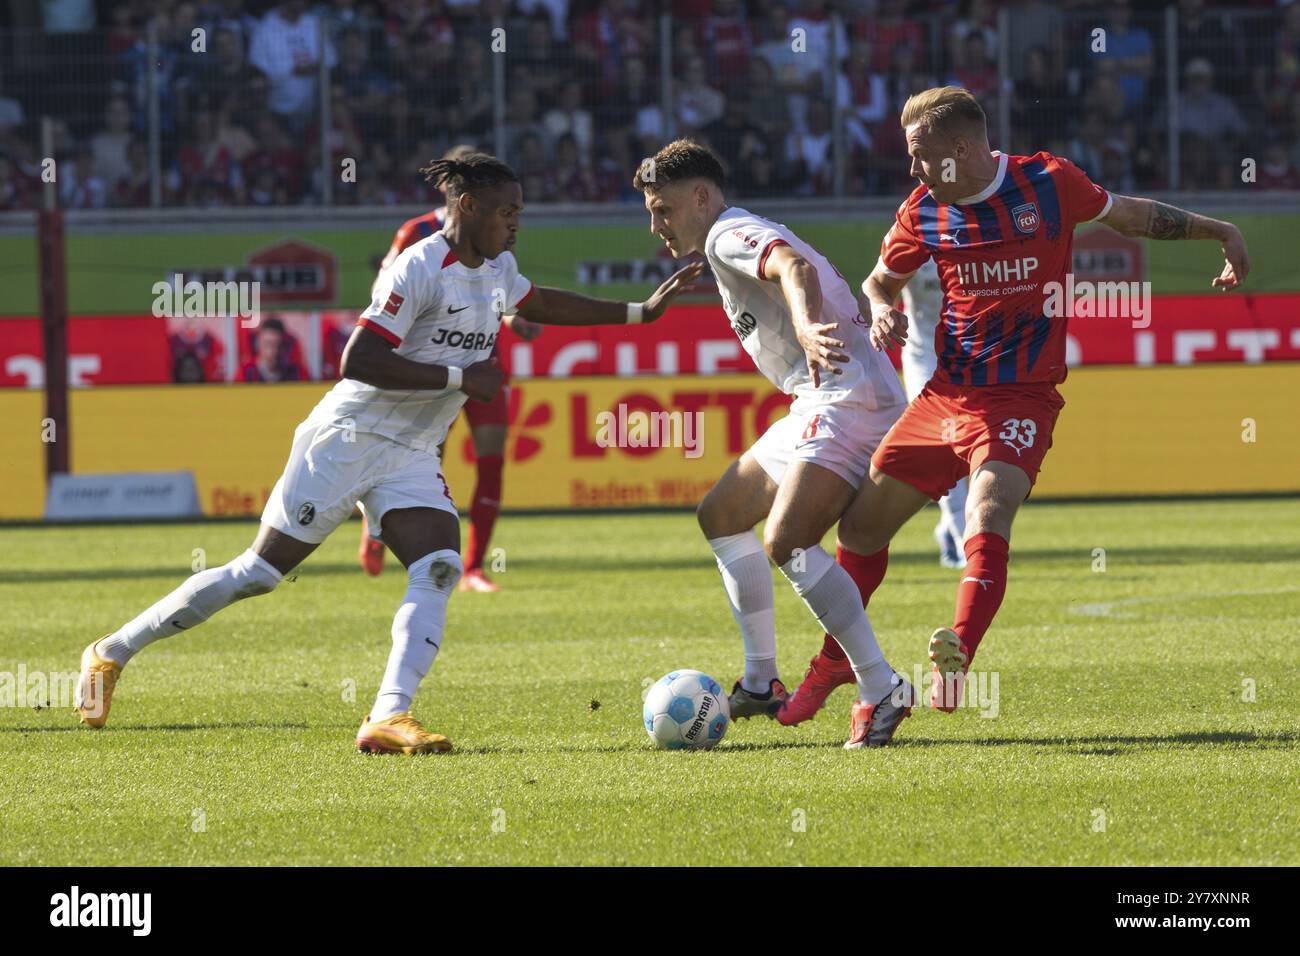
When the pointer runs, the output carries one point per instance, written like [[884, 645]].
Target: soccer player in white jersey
[[923, 304], [420, 349], [799, 322]]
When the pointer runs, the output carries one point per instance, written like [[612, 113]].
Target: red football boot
[[948, 674], [823, 676]]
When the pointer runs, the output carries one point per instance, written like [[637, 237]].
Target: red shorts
[[950, 430], [494, 412]]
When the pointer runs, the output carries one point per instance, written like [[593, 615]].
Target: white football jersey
[[435, 310], [737, 249], [923, 305]]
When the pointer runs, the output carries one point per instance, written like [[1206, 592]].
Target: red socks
[[483, 512], [982, 585], [867, 571]]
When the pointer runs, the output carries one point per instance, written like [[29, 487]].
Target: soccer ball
[[686, 710]]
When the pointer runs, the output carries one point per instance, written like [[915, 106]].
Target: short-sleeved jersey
[[996, 252], [737, 248], [436, 310]]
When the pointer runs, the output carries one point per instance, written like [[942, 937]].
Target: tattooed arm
[[1135, 216]]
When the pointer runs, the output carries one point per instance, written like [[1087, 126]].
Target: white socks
[[835, 601], [201, 596], [748, 582], [417, 630]]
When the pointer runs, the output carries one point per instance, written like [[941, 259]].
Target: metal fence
[[338, 108]]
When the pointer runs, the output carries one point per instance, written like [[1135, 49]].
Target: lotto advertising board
[[596, 442]]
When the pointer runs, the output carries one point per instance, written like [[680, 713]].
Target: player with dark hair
[[487, 425], [999, 227], [422, 347], [799, 321]]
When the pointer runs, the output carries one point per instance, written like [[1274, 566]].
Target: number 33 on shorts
[[1018, 434]]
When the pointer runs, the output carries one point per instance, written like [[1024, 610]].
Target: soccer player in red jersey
[[487, 426], [999, 228]]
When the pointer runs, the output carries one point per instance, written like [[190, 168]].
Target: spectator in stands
[[206, 168], [765, 104], [570, 117], [890, 31], [978, 18], [535, 173], [863, 95], [1131, 51], [363, 85], [470, 115], [697, 104], [1088, 147], [522, 119], [810, 154], [12, 116], [15, 193], [277, 156], [287, 49], [1039, 102], [133, 190], [621, 113], [273, 347], [554, 12], [1212, 130], [1208, 35], [907, 77], [226, 75], [1277, 171], [109, 145], [727, 41], [609, 35], [136, 67], [540, 60], [978, 73], [79, 186], [1285, 73], [574, 179]]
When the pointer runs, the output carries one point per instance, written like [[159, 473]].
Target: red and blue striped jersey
[[412, 231], [995, 252]]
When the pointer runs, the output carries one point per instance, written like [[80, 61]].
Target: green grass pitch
[[1147, 713]]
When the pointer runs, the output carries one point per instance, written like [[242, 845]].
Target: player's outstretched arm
[[550, 306], [369, 357], [1136, 216], [803, 294], [888, 325]]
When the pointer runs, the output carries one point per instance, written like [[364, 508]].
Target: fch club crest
[[1025, 216]]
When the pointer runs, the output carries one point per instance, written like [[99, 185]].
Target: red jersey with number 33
[[996, 252]]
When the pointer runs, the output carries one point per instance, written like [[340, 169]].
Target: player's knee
[[253, 575], [987, 516], [439, 570], [706, 514], [779, 543]]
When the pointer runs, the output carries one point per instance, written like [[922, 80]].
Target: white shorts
[[838, 433], [331, 469]]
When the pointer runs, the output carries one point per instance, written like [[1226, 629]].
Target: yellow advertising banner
[[606, 442]]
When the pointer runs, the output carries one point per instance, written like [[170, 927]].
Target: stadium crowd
[[239, 121]]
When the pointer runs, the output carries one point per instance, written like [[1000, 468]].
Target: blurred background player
[[798, 320], [488, 422], [923, 302]]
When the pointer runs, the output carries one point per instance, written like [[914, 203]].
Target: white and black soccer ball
[[686, 710]]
